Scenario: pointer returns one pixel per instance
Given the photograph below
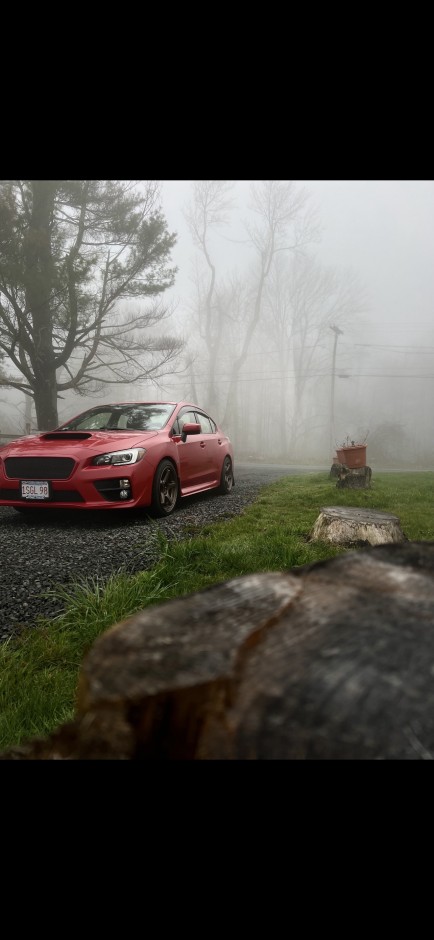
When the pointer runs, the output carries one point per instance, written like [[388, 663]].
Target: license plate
[[35, 489]]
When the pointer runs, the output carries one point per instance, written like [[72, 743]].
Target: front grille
[[39, 468], [64, 496]]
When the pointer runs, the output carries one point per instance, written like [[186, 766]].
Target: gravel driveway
[[38, 553]]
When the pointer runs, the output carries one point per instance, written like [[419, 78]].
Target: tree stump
[[331, 661], [354, 479], [349, 525], [335, 470]]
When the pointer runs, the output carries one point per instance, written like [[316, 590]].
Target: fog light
[[125, 489]]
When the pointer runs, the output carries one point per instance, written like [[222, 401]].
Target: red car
[[135, 454]]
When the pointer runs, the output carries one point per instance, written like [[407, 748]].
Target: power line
[[390, 375], [315, 375], [410, 349]]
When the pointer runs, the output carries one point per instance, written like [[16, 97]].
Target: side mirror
[[190, 429]]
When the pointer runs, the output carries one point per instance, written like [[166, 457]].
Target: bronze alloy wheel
[[227, 476], [165, 489]]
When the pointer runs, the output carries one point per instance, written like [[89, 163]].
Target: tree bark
[[350, 525], [358, 478], [39, 289], [331, 661]]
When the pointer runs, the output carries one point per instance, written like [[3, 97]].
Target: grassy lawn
[[38, 671]]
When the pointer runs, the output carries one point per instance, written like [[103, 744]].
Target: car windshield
[[150, 416]]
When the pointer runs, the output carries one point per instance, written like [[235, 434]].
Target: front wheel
[[165, 489], [227, 476]]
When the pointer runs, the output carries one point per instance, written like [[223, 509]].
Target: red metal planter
[[340, 455]]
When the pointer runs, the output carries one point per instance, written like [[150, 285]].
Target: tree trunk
[[45, 396], [39, 290], [250, 331], [28, 414]]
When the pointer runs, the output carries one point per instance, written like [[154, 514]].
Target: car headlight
[[117, 457]]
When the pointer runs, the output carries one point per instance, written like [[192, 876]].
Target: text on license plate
[[35, 489]]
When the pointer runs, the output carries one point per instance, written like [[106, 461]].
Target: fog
[[326, 336], [381, 231]]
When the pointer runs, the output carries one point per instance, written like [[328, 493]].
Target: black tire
[[165, 489], [227, 480]]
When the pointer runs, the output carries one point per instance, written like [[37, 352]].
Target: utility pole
[[337, 333]]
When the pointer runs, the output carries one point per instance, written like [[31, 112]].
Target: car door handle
[[219, 441], [202, 444]]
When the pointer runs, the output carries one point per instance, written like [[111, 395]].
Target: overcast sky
[[382, 229]]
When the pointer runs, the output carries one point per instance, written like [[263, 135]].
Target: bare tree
[[282, 224], [71, 252], [302, 300], [207, 211]]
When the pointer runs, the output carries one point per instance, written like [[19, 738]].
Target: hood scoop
[[66, 436]]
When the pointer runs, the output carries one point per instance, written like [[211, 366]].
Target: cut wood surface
[[349, 524]]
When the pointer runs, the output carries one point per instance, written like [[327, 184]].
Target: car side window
[[205, 423], [188, 417]]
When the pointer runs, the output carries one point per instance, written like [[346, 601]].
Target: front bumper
[[91, 489]]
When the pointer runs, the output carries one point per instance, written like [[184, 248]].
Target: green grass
[[38, 670]]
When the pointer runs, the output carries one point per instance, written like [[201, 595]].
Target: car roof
[[120, 404]]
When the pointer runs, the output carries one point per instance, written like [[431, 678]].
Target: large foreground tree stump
[[330, 661], [349, 524]]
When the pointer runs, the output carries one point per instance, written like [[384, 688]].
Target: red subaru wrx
[[132, 454]]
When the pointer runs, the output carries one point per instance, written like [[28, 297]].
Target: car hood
[[76, 443]]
